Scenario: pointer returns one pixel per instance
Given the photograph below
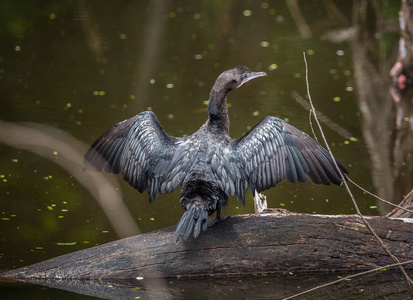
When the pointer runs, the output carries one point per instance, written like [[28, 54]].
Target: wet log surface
[[245, 244]]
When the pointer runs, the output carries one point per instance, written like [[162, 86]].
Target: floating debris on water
[[67, 244], [247, 12]]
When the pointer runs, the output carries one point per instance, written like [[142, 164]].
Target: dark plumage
[[209, 165]]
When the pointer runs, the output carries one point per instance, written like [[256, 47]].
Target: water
[[78, 67]]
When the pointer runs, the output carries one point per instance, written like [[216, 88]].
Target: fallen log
[[245, 244]]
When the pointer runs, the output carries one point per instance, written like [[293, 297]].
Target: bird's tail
[[194, 219]]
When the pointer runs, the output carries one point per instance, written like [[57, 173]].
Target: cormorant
[[208, 164]]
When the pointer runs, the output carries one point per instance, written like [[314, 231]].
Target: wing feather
[[144, 154], [274, 151]]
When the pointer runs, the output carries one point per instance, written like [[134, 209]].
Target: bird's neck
[[218, 112]]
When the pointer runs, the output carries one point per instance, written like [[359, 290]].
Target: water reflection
[[386, 137], [245, 287], [60, 148], [82, 66]]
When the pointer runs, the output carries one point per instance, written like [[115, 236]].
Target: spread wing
[[271, 152], [144, 154]]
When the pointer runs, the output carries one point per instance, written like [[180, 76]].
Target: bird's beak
[[253, 75]]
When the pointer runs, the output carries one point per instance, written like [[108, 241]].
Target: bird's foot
[[212, 221]]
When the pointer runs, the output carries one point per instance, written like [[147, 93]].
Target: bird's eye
[[245, 75]]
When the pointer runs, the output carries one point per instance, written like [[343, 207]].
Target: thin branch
[[322, 117], [406, 202], [349, 277], [341, 131], [409, 280], [377, 197], [310, 120]]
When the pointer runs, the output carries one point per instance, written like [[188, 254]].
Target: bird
[[209, 165]]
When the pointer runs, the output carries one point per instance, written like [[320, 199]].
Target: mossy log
[[275, 242]]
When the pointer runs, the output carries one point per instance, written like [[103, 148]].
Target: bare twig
[[409, 280], [341, 131], [349, 277], [379, 198], [406, 202], [322, 117]]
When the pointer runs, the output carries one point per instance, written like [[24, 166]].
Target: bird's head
[[234, 78]]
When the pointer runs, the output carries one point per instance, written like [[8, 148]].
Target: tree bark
[[245, 244], [402, 71]]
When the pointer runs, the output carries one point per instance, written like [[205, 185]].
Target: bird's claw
[[212, 221]]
